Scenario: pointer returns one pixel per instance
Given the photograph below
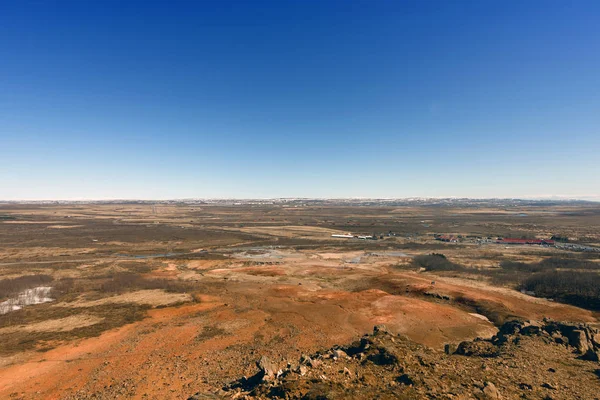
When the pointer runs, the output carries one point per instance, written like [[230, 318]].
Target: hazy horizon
[[272, 99], [525, 198]]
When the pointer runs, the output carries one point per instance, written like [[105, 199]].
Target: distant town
[[558, 242]]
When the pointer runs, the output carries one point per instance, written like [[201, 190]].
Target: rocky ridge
[[524, 360]]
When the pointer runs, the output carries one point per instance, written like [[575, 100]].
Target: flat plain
[[162, 301]]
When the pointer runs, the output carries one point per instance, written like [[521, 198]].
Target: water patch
[[27, 297]]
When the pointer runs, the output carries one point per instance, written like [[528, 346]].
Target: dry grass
[[85, 307], [108, 316], [55, 325], [152, 297]]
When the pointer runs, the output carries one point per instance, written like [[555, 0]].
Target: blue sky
[[179, 99]]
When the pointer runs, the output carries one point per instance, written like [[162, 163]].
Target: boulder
[[549, 386], [591, 355], [560, 339], [267, 368], [510, 328], [579, 340], [595, 338], [449, 348], [405, 380], [530, 330], [306, 360], [525, 386], [339, 354], [357, 347], [490, 391], [385, 356], [365, 343], [302, 370], [478, 349]]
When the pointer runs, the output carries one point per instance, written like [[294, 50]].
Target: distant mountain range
[[413, 201]]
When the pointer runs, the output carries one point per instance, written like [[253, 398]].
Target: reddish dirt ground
[[181, 350]]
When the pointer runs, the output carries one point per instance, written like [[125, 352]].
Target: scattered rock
[[477, 348], [525, 386], [560, 339], [204, 396], [339, 354], [304, 359], [302, 370], [405, 380], [383, 365], [490, 391], [384, 356], [530, 330], [450, 348], [510, 328], [267, 368]]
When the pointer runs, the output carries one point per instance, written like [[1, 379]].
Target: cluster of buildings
[[447, 238], [457, 238], [541, 242]]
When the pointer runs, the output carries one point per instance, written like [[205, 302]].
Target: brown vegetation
[[12, 287]]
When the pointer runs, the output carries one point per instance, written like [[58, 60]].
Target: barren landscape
[[173, 300]]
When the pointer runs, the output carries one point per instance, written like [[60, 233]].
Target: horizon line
[[589, 198]]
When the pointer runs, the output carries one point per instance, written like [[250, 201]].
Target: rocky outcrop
[[524, 360], [581, 338], [267, 369], [479, 348]]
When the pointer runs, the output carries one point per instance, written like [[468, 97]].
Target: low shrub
[[12, 287], [579, 288], [549, 264], [436, 262], [121, 282], [568, 263]]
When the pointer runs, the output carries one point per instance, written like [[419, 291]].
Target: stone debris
[[523, 360], [266, 369]]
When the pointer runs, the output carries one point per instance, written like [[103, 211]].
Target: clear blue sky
[[155, 100]]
